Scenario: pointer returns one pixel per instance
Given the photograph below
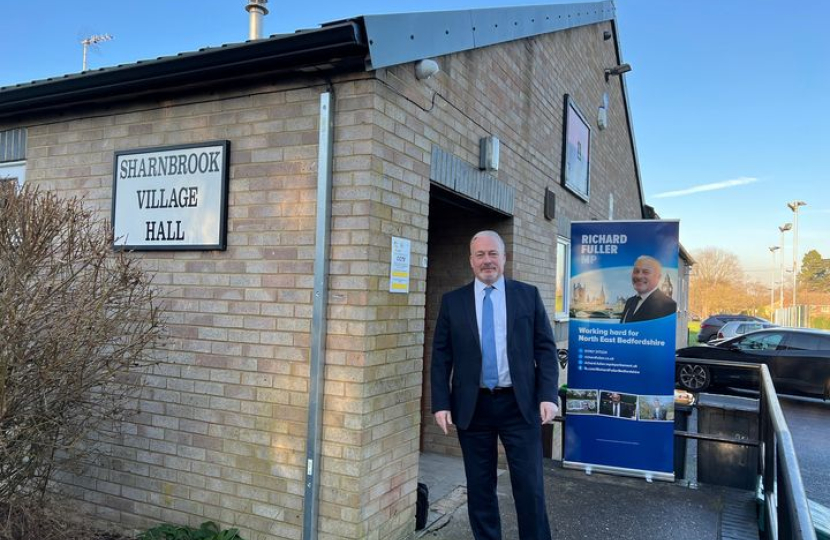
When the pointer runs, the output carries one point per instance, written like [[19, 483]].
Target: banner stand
[[622, 330], [590, 468]]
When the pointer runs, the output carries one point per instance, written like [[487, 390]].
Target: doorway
[[453, 220]]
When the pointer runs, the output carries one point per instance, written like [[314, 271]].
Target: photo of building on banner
[[621, 343]]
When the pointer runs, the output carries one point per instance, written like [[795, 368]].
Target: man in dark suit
[[612, 405], [649, 302], [494, 374]]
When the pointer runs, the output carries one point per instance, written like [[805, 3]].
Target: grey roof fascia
[[405, 37], [630, 122], [330, 48]]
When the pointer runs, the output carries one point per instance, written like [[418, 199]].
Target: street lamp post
[[783, 228], [794, 207], [772, 250]]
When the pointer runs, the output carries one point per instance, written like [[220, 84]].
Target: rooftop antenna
[[93, 40]]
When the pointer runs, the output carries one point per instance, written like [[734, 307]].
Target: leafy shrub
[[206, 531]]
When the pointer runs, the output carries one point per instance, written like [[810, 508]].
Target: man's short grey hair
[[652, 260], [491, 234]]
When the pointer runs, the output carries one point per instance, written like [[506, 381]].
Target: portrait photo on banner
[[642, 289]]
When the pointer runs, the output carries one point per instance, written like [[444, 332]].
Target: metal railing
[[786, 510]]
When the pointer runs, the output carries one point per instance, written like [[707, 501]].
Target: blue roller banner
[[621, 347]]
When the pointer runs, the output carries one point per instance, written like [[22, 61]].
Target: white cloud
[[707, 187]]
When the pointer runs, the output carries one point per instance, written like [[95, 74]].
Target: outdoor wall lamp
[[424, 69], [618, 70]]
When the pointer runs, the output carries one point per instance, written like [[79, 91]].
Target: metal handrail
[[787, 511]]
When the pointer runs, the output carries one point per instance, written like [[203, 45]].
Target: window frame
[[564, 280]]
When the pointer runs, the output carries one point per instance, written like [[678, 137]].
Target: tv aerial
[[93, 40]]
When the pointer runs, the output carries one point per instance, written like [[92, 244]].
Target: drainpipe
[[311, 499]]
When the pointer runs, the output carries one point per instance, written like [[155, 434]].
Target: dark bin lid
[[731, 403]]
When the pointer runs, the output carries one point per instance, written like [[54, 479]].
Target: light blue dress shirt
[[499, 300]]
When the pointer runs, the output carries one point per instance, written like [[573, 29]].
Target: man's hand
[[548, 411], [444, 420]]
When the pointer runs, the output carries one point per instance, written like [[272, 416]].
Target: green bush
[[206, 531], [822, 323]]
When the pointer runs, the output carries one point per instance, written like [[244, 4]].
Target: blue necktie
[[490, 368]]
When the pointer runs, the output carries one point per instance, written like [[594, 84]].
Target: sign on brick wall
[[171, 198]]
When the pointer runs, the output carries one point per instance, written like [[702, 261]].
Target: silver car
[[739, 328]]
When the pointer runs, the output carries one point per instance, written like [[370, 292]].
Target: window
[[803, 342], [563, 265], [14, 171], [13, 145], [767, 341], [13, 155]]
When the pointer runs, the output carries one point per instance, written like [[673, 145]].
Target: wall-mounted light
[[424, 69], [488, 153], [606, 35], [617, 70]]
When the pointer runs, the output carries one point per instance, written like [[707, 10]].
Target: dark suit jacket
[[657, 305], [456, 353], [627, 410]]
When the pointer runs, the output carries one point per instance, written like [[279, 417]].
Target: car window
[[767, 341], [805, 342]]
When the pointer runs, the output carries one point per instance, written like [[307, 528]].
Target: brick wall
[[515, 91]]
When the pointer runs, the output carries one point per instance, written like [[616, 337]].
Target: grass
[[694, 329]]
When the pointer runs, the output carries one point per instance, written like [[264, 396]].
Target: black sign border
[[223, 217]]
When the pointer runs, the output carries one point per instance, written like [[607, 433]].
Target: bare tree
[[77, 324], [718, 282]]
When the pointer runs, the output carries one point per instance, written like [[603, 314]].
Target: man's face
[[645, 276], [486, 259], [615, 398]]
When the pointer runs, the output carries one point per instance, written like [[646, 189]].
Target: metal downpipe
[[311, 502]]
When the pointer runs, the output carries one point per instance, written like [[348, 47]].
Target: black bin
[[727, 464], [681, 423]]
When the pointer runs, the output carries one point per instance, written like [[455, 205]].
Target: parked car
[[798, 360], [739, 328], [709, 328]]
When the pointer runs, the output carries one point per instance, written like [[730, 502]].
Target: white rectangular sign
[[399, 268], [171, 198]]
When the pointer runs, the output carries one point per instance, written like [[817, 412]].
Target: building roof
[[361, 43]]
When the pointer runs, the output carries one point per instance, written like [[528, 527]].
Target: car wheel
[[694, 377]]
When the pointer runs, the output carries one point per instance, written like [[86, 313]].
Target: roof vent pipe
[[257, 10]]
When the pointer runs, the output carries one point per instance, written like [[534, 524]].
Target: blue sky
[[728, 97]]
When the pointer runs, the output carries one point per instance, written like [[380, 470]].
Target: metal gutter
[[331, 48]]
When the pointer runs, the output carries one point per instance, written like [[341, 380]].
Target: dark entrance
[[452, 222]]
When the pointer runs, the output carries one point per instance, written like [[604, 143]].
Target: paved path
[[809, 423], [602, 506]]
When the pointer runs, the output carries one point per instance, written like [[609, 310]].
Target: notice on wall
[[171, 198], [399, 267], [621, 342]]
